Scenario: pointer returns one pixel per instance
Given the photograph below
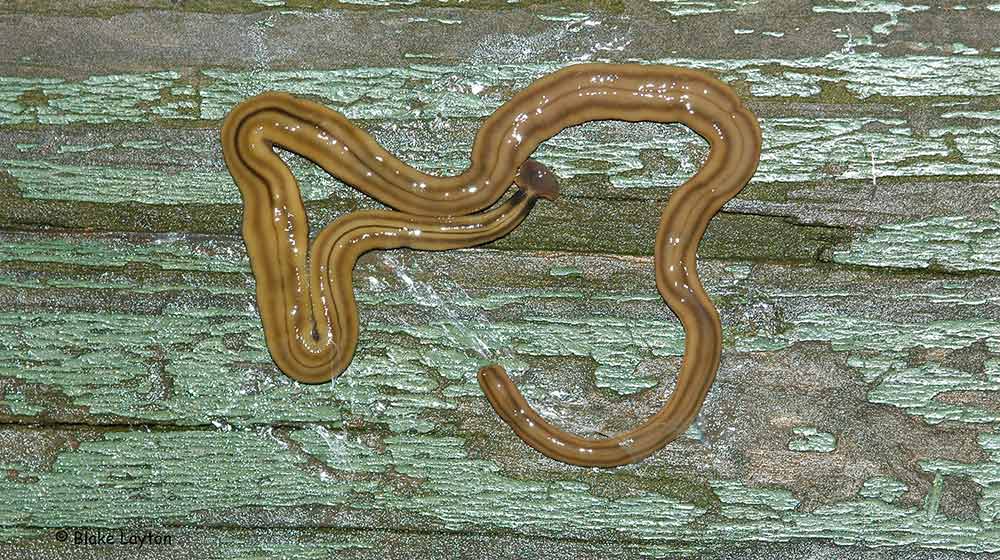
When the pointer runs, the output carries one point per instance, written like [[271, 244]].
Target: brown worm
[[310, 317]]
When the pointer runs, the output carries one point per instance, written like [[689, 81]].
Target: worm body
[[308, 312]]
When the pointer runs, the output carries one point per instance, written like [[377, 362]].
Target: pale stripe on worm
[[310, 318]]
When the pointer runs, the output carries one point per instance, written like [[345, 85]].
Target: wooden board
[[856, 410]]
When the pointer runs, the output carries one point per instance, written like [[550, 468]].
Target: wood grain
[[856, 408]]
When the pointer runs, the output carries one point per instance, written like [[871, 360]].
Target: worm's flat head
[[537, 180]]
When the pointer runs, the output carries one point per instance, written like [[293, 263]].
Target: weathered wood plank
[[795, 360], [312, 477], [298, 35], [196, 287], [890, 142], [814, 198], [609, 160], [891, 150], [857, 402], [223, 543], [467, 90]]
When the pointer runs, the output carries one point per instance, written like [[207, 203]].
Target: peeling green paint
[[565, 271], [643, 156], [447, 91], [986, 475], [948, 243], [886, 489], [916, 388], [98, 99], [44, 180], [246, 467], [156, 333], [16, 404], [812, 440], [892, 9], [424, 90], [773, 513], [455, 347], [701, 7], [166, 251]]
